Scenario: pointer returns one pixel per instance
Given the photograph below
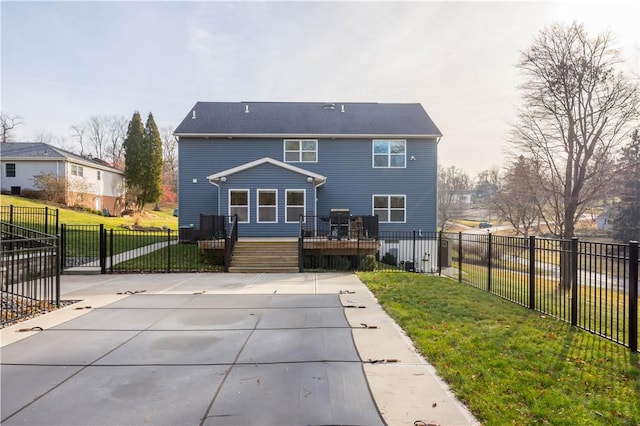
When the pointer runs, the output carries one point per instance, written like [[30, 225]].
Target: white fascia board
[[266, 160], [304, 136]]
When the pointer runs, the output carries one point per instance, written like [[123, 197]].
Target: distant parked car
[[484, 225], [175, 212]]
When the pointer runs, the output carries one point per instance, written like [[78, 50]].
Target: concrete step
[[263, 269]]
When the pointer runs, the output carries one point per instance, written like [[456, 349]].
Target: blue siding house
[[273, 162]]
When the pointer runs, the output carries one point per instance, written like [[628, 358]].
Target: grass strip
[[508, 364]]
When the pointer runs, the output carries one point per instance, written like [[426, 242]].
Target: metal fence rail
[[593, 286], [131, 251], [29, 272], [42, 219]]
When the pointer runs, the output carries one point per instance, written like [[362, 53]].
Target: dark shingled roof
[[307, 119], [40, 151]]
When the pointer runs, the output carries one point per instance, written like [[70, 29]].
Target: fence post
[[111, 251], [489, 264], [57, 267], [57, 216], [11, 214], [168, 250], [46, 219], [358, 252], [574, 281], [460, 257], [439, 242], [415, 266], [63, 247], [633, 295], [300, 251], [103, 249], [532, 272]]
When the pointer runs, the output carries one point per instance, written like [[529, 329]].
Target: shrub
[[52, 188], [368, 263], [389, 259]]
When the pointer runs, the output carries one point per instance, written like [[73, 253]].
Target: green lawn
[[150, 218], [508, 364]]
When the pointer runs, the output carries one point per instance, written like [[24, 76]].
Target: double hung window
[[295, 205], [389, 153], [239, 204], [267, 206], [300, 150], [390, 208]]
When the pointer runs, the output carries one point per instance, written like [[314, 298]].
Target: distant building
[[603, 221], [90, 182]]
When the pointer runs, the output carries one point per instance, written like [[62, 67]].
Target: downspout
[[315, 204], [217, 186]]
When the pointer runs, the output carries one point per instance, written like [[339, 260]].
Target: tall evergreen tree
[[135, 158], [152, 189], [626, 212]]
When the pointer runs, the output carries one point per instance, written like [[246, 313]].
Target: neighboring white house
[[90, 182]]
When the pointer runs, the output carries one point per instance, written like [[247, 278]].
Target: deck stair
[[274, 256]]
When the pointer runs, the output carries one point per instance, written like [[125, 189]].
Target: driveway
[[219, 349]]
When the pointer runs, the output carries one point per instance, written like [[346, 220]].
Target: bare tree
[[514, 198], [96, 132], [9, 122], [78, 132], [170, 160], [117, 130], [451, 181], [577, 110]]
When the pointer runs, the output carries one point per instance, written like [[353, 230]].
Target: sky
[[62, 62]]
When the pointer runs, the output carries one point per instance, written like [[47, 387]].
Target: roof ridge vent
[[246, 109]]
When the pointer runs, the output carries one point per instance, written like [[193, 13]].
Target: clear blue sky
[[65, 61]]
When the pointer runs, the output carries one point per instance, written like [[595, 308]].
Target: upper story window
[[301, 150], [10, 170], [77, 170], [389, 153]]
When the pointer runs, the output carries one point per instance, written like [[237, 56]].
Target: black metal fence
[[29, 272], [42, 219], [593, 286], [131, 251]]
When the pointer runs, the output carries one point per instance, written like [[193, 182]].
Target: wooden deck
[[345, 247], [334, 247]]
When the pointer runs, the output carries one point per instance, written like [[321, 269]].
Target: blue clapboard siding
[[347, 164]]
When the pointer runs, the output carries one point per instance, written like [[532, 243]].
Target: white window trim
[[258, 191], [79, 170], [248, 203], [388, 196], [284, 150], [286, 205], [373, 154]]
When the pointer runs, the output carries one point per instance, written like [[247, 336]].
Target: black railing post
[[57, 218], [414, 252], [11, 214], [633, 295], [574, 281], [46, 220], [489, 264], [532, 272], [300, 251], [459, 257], [103, 249]]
